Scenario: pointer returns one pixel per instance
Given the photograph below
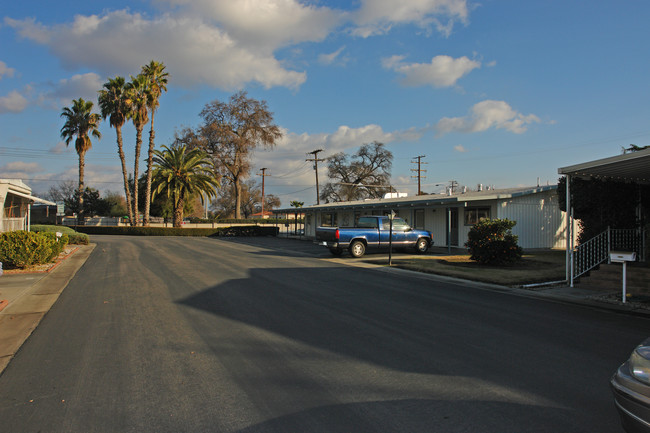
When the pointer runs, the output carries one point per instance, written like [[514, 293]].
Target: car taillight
[[336, 234]]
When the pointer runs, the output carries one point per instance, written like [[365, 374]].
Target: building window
[[419, 219], [475, 214], [328, 220]]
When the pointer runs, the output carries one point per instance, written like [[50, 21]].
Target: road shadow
[[438, 338], [430, 416]]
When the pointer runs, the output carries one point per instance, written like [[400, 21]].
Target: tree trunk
[[237, 184], [138, 145], [80, 215], [147, 201], [178, 210], [127, 190]]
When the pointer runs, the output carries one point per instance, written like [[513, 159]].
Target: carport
[[632, 167]]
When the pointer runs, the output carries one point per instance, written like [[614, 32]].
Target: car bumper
[[632, 400]]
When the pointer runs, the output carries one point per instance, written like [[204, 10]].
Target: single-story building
[[16, 199], [540, 223]]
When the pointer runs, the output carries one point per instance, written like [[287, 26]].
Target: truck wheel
[[421, 246], [336, 251], [357, 249]]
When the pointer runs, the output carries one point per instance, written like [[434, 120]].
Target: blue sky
[[494, 92]]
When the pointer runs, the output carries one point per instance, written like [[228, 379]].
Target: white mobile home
[[16, 199], [540, 223]]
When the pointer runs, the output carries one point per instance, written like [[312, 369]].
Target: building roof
[[630, 167], [19, 188], [427, 200]]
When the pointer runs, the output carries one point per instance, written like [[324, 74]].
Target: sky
[[493, 92]]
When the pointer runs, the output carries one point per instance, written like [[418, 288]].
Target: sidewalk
[[29, 297]]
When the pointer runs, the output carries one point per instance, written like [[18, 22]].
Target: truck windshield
[[367, 223]]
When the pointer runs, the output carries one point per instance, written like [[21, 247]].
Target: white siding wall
[[540, 223]]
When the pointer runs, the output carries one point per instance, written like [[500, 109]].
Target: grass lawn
[[534, 267]]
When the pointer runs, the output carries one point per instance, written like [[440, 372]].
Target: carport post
[[449, 231], [569, 234]]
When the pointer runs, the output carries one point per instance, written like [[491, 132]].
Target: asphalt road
[[208, 335]]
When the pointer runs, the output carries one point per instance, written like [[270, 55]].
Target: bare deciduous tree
[[365, 174], [231, 131]]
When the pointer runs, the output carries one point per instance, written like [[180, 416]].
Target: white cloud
[[14, 102], [266, 24], [328, 59], [20, 167], [194, 51], [485, 115], [345, 138], [291, 152], [460, 148], [59, 148], [378, 16], [78, 86], [6, 70], [443, 71]]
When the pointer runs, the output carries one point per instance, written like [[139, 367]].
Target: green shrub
[[79, 239], [20, 249], [74, 237], [50, 228], [492, 242], [57, 244]]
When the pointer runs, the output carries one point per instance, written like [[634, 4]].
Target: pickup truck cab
[[373, 232]]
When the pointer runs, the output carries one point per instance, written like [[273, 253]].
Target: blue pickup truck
[[373, 232]]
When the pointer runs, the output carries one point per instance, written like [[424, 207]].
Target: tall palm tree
[[79, 122], [114, 104], [138, 98], [182, 173], [157, 81]]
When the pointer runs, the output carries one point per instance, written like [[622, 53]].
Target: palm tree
[[79, 122], [114, 103], [182, 173], [157, 80], [138, 98]]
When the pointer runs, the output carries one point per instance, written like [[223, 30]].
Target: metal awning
[[629, 167], [31, 197]]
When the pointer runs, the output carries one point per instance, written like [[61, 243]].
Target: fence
[[13, 224]]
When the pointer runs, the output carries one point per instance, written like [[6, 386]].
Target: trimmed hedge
[[19, 249], [244, 221], [174, 231], [491, 242], [74, 237]]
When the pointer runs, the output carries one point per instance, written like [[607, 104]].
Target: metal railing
[[596, 250]]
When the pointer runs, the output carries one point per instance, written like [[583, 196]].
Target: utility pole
[[315, 160], [419, 171], [453, 184], [263, 174]]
